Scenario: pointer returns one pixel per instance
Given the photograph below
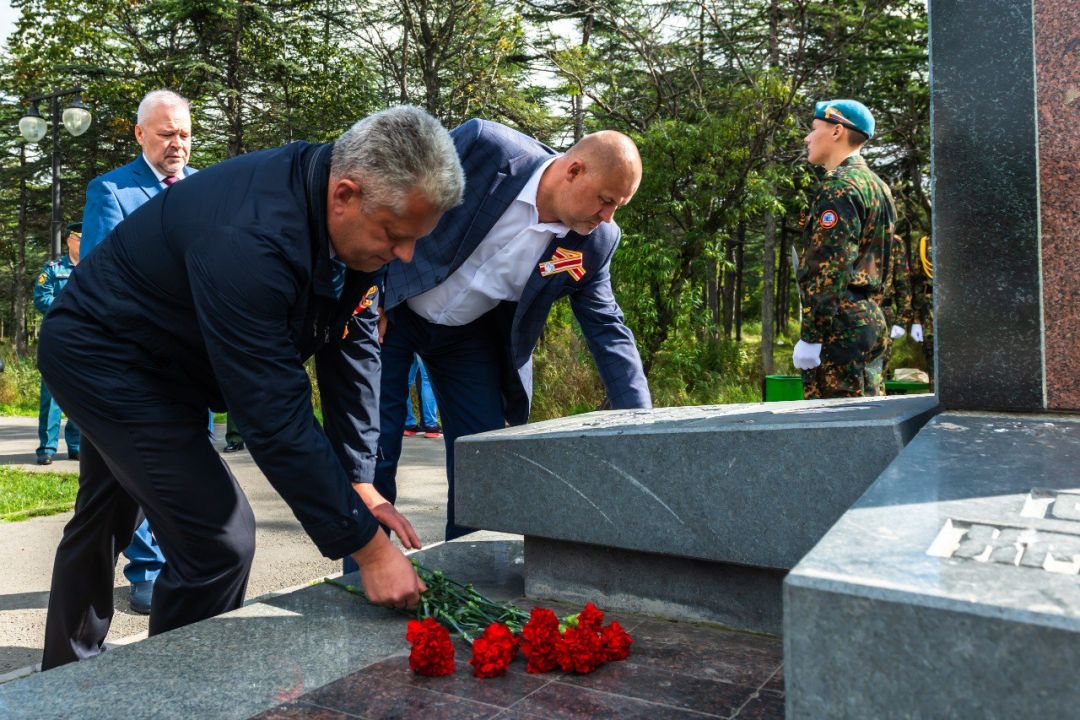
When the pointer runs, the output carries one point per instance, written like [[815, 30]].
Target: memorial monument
[[951, 587]]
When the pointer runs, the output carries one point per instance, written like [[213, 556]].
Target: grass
[[26, 494]]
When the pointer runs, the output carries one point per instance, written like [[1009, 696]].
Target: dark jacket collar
[[316, 170]]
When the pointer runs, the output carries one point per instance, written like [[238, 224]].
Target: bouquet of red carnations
[[497, 630]]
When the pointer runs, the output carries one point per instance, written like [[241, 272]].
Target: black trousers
[[143, 448]]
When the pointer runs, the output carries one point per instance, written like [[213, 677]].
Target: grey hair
[[397, 150], [160, 97]]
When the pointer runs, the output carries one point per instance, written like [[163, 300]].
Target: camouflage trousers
[[850, 355]]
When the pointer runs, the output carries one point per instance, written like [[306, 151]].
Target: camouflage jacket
[[896, 300], [846, 246]]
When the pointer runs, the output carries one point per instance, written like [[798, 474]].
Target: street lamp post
[[76, 119]]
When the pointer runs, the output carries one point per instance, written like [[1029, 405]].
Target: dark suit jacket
[[113, 196], [225, 283], [498, 162]]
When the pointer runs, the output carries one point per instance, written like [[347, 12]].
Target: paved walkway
[[284, 555]]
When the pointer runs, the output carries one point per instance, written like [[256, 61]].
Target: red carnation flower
[[615, 642], [591, 618], [493, 651], [432, 652], [540, 640], [580, 650]]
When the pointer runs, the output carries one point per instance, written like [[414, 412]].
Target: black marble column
[[986, 204]]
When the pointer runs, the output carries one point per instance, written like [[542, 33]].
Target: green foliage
[[25, 493], [20, 384], [717, 95]]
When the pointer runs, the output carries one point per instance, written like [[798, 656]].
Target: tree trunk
[[783, 282], [235, 105], [768, 257], [20, 259], [579, 98], [728, 292], [712, 295], [768, 282], [740, 247]]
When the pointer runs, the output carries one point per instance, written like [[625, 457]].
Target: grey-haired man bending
[[163, 327]]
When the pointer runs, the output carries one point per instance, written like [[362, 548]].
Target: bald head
[[585, 186]]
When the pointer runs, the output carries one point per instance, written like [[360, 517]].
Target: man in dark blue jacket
[[162, 326], [535, 226]]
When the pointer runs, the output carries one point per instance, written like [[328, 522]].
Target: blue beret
[[849, 113], [74, 227]]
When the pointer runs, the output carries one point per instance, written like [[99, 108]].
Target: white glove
[[897, 332], [916, 332], [807, 356]]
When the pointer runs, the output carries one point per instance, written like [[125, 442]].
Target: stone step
[[952, 588]]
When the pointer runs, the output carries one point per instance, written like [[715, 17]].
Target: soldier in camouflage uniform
[[896, 302], [922, 302], [847, 238]]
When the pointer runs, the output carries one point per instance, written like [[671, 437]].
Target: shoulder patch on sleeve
[[42, 278], [828, 219]]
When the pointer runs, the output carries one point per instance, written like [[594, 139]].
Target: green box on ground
[[905, 387], [778, 388]]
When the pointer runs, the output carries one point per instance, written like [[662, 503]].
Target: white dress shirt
[[498, 268], [157, 173]]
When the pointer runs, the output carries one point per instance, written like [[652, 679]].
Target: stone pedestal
[[951, 588], [631, 506]]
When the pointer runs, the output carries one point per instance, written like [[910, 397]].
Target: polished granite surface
[[980, 511], [675, 670], [321, 647], [755, 485], [951, 588]]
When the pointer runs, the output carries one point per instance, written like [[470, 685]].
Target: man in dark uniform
[[846, 239], [52, 280], [922, 303], [163, 325]]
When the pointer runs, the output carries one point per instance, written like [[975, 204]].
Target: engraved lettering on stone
[[1053, 504], [1020, 547]]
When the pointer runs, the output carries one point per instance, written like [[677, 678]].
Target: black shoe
[[44, 459], [73, 454], [234, 447], [141, 595]]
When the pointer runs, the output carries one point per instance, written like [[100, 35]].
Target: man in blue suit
[[163, 326], [163, 129], [535, 226]]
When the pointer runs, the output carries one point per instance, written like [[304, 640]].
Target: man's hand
[[387, 575], [388, 515], [383, 323], [807, 356], [916, 332], [897, 332]]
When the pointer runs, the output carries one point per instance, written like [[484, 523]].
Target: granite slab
[[254, 658], [1057, 63], [675, 670], [736, 596], [952, 588], [755, 484]]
